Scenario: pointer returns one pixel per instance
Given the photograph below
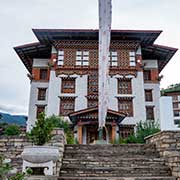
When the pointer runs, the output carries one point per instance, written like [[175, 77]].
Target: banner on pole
[[105, 15]]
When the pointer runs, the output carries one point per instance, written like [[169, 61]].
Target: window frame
[[148, 97], [43, 74], [150, 116], [60, 59], [82, 58], [40, 96], [113, 62], [127, 86]]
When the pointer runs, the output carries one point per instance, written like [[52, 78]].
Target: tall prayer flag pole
[[105, 14]]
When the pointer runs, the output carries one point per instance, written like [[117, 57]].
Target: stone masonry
[[168, 145], [113, 162], [12, 146]]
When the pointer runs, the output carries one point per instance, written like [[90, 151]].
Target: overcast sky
[[18, 17]]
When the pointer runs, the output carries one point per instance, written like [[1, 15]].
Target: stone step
[[118, 178], [106, 155], [120, 162], [129, 147], [115, 171]]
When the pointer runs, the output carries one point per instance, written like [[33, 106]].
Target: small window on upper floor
[[149, 112], [43, 74], [82, 58], [132, 58], [113, 58], [60, 58], [40, 109], [147, 75], [41, 94], [148, 95]]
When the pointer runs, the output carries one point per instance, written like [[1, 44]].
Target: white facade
[[166, 114], [54, 93]]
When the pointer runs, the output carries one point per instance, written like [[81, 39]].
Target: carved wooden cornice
[[124, 71], [91, 44]]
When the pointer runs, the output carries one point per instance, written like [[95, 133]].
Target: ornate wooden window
[[175, 105], [149, 112], [66, 105], [82, 58], [113, 58], [148, 95], [92, 103], [93, 83], [43, 74], [60, 58], [40, 109], [176, 113], [126, 106], [132, 58], [68, 85], [147, 75], [174, 97], [124, 86], [126, 130], [41, 94]]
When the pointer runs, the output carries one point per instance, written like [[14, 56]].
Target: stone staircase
[[113, 162]]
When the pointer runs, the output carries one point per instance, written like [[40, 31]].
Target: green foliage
[[12, 130], [4, 168], [144, 129], [58, 122], [41, 132], [21, 176]]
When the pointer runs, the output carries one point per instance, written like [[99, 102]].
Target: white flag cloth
[[105, 14]]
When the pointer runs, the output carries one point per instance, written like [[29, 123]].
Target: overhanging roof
[[46, 37], [74, 115], [33, 50], [50, 35], [162, 53]]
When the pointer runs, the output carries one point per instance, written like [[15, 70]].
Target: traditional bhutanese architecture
[[174, 92], [63, 68]]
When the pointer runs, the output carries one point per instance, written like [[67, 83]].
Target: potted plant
[[40, 155]]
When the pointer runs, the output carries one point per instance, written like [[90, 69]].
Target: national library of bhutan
[[63, 69]]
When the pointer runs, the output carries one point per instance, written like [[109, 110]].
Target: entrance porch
[[85, 123]]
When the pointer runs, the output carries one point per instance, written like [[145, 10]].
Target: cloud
[[13, 109]]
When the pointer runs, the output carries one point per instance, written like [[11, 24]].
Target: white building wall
[[38, 63], [166, 114], [139, 111], [33, 102], [156, 96], [81, 92], [54, 92], [113, 101], [150, 64]]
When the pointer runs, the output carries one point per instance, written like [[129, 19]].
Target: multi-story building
[[174, 92], [63, 68]]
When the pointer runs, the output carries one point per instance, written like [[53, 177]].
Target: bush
[[12, 130], [144, 129], [58, 122], [4, 168], [41, 132]]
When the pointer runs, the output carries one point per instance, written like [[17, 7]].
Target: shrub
[[12, 130], [4, 168], [144, 129], [58, 122], [41, 132]]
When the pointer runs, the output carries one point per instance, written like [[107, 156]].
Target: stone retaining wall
[[12, 146], [168, 145]]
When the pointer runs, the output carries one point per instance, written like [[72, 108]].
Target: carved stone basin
[[40, 154]]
